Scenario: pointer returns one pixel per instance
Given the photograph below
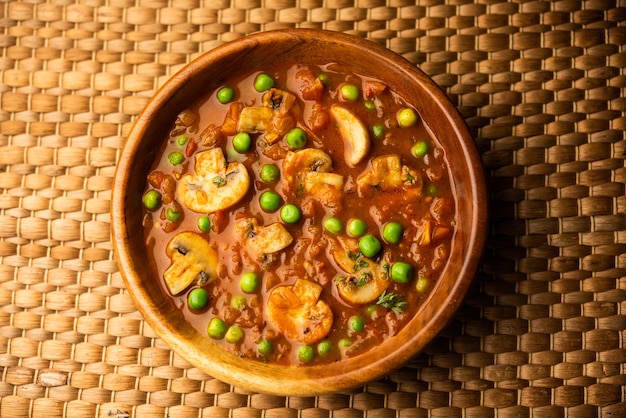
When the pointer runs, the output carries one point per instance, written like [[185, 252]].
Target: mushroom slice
[[309, 169], [259, 241], [305, 160], [280, 100], [193, 260], [325, 188], [356, 140], [298, 313], [255, 119], [388, 173], [216, 185], [314, 179], [272, 118], [364, 280]]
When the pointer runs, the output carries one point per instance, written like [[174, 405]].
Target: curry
[[299, 215]]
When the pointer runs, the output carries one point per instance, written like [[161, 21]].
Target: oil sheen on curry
[[299, 215]]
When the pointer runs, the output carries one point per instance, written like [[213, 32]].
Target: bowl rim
[[296, 381]]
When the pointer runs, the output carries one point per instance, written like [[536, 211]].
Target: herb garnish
[[359, 263], [392, 301], [365, 277], [219, 181]]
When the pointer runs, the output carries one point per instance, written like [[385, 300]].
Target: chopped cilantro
[[359, 263], [365, 277], [219, 181], [410, 179], [392, 301]]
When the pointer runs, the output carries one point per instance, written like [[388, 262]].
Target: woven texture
[[541, 84]]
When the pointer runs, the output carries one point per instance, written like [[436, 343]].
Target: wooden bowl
[[314, 47]]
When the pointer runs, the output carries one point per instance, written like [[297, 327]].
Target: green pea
[[242, 142], [225, 95], [356, 227], [249, 282], [369, 105], [269, 201], [392, 232], [234, 334], [350, 92], [172, 215], [290, 214], [204, 223], [152, 200], [324, 348], [296, 138], [324, 79], [378, 130], [432, 190], [182, 140], [217, 328], [371, 310], [175, 158], [406, 117], [198, 298], [357, 323], [422, 284], [263, 82], [238, 302], [401, 272], [419, 149], [369, 245], [344, 343], [265, 347], [333, 225], [306, 353], [270, 173]]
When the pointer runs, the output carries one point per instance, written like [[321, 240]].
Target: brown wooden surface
[[541, 85]]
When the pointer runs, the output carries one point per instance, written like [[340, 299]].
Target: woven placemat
[[541, 85]]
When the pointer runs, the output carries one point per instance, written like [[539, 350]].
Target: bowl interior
[[307, 47]]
